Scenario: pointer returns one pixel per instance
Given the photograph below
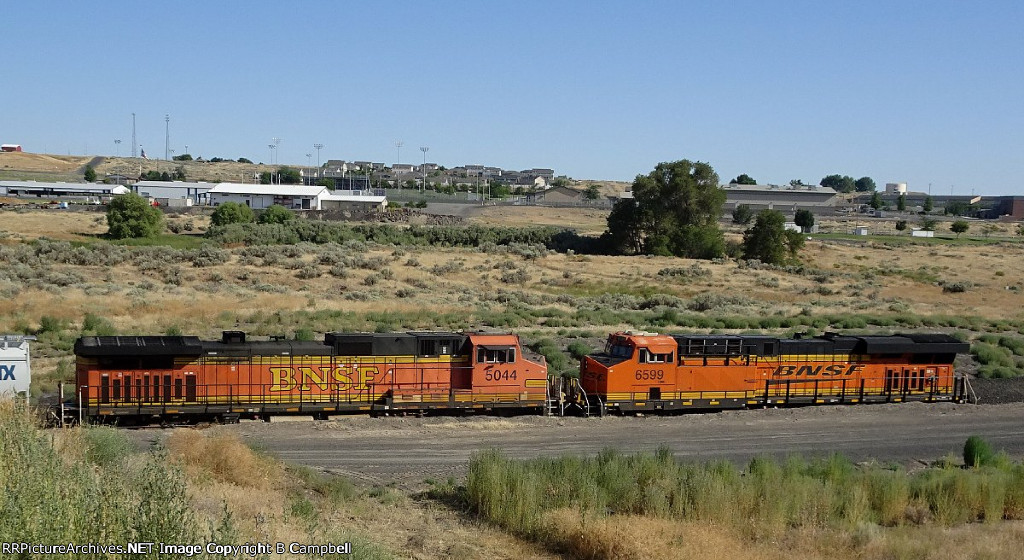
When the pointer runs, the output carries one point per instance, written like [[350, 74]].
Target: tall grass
[[49, 498], [766, 497]]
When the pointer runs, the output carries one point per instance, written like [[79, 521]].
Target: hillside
[[42, 167]]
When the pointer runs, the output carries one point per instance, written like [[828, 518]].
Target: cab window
[[619, 350], [648, 357], [495, 355]]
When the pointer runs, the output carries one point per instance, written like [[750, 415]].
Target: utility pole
[[398, 145], [134, 153], [423, 170], [309, 163], [318, 146], [117, 148], [167, 136]]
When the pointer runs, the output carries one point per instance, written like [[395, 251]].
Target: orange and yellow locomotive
[[645, 372]]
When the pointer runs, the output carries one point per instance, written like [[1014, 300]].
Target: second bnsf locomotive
[[646, 372], [142, 379]]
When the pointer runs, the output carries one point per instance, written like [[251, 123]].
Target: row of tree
[[674, 212], [841, 183]]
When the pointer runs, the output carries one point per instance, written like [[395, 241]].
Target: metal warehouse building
[[176, 193], [779, 197], [40, 189], [259, 197]]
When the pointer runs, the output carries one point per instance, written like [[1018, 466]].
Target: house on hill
[[560, 195]]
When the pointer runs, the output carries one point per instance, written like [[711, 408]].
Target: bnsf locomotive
[[141, 378], [147, 378], [646, 372]]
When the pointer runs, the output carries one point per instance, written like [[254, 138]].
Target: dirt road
[[407, 451]]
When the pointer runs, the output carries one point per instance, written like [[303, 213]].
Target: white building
[[49, 190], [349, 200], [259, 197], [194, 193]]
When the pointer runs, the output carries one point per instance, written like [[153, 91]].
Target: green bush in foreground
[[768, 495]]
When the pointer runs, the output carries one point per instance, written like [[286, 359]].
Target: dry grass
[[642, 537], [586, 221], [223, 458]]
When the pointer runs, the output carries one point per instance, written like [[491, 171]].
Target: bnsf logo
[[7, 373], [834, 370]]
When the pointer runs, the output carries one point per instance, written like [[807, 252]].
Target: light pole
[[117, 148], [133, 136], [318, 146], [186, 148], [277, 143], [423, 170], [309, 163], [167, 136]]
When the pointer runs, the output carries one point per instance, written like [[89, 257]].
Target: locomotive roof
[[136, 345], [234, 344], [828, 343]]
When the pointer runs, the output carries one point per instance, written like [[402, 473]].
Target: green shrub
[[977, 452], [130, 216], [276, 214], [106, 446], [229, 213]]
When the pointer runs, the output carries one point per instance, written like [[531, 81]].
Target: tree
[[1020, 230], [276, 214], [244, 160], [231, 213], [901, 225], [179, 173], [841, 183], [928, 224], [674, 211], [796, 183], [928, 204], [326, 182], [958, 227], [593, 192], [742, 214], [876, 200], [865, 184], [804, 219], [130, 216], [957, 208], [560, 182], [768, 240], [182, 157], [901, 203], [90, 174], [743, 179]]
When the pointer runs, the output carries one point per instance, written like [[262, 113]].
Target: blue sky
[[920, 92]]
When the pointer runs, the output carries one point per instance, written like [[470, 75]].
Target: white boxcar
[[15, 364]]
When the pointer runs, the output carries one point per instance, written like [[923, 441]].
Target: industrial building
[[91, 192], [774, 197], [259, 197], [174, 193]]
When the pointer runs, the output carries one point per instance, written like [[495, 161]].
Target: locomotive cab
[[635, 371], [499, 369]]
